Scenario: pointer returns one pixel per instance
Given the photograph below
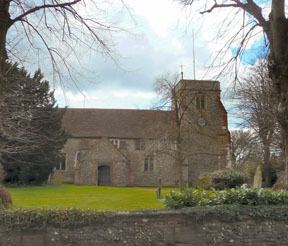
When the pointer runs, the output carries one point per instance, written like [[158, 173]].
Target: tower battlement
[[199, 85]]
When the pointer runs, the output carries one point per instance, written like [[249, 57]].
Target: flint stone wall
[[167, 228]]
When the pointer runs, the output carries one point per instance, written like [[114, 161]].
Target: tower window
[[200, 102]]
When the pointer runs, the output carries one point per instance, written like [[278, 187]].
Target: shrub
[[252, 197], [204, 182], [56, 178], [179, 200], [5, 198], [240, 196], [222, 179], [190, 198], [280, 183], [280, 186]]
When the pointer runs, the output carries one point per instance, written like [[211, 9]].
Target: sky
[[157, 40]]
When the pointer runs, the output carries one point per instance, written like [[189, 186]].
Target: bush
[[222, 179], [252, 197], [189, 198], [280, 186], [5, 198], [280, 183], [56, 178]]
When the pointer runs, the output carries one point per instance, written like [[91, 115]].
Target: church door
[[104, 176]]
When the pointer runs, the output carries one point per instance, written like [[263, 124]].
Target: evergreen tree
[[30, 127]]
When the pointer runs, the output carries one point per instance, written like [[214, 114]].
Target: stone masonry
[[166, 228], [122, 147]]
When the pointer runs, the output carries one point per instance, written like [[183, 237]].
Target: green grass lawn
[[98, 198]]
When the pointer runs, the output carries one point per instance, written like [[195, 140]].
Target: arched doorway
[[104, 175]]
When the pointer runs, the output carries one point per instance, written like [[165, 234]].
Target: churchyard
[[79, 168], [86, 197]]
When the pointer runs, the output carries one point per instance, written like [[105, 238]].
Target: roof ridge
[[118, 109]]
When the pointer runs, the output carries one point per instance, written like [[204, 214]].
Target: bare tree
[[258, 108], [275, 29], [56, 26], [244, 147], [173, 98]]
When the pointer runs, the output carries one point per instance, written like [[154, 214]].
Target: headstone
[[257, 182]]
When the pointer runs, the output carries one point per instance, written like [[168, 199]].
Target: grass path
[[82, 197]]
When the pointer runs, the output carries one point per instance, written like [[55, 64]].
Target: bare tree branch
[[45, 6]]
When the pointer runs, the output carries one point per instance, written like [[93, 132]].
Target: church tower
[[204, 128]]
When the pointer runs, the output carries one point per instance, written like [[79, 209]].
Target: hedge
[[241, 196]]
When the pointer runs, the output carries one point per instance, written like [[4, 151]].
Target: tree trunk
[[179, 153], [278, 67], [266, 166], [282, 114], [3, 35], [3, 54], [179, 162], [5, 23]]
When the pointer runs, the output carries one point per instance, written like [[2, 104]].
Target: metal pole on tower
[[194, 69], [84, 100]]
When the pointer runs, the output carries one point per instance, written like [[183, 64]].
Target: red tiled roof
[[117, 123]]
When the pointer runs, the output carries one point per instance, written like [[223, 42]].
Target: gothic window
[[200, 102], [148, 164], [80, 157], [62, 164], [139, 144]]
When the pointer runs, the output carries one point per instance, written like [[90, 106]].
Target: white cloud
[[160, 42], [106, 99], [161, 14]]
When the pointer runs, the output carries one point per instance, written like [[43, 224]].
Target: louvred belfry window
[[200, 102]]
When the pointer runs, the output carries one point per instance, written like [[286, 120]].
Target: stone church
[[127, 147]]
